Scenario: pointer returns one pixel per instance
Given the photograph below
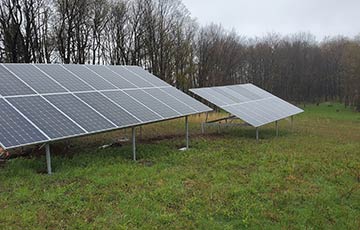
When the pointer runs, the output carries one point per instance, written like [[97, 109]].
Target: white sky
[[257, 17]]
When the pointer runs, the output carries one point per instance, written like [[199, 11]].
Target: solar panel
[[35, 78], [146, 75], [90, 77], [130, 76], [248, 102], [52, 122], [111, 77], [155, 104], [64, 77], [170, 101], [10, 85], [15, 130], [185, 99], [140, 111], [108, 108], [41, 103], [85, 116]]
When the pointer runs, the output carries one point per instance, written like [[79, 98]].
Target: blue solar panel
[[186, 99], [112, 111], [41, 103], [64, 77], [90, 77], [112, 77], [35, 78], [79, 112], [10, 85], [15, 130], [155, 81], [52, 122], [131, 77], [170, 101], [156, 105], [137, 109]]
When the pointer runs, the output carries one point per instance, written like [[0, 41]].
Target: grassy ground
[[308, 178]]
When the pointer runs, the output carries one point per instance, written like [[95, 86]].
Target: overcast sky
[[257, 17]]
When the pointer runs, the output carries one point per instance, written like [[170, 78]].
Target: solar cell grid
[[146, 75], [64, 77], [41, 103], [270, 107], [243, 115], [133, 106], [130, 76], [206, 94], [250, 103], [110, 76], [182, 97], [35, 78], [236, 98], [15, 130], [90, 77], [79, 112], [11, 86], [245, 92], [109, 109], [262, 93], [249, 108], [170, 101], [155, 105], [52, 122]]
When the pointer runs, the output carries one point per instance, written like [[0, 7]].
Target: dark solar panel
[[15, 130], [131, 77], [41, 103], [64, 77], [79, 112], [52, 122], [90, 77], [134, 107], [112, 111], [112, 77], [10, 85], [35, 78]]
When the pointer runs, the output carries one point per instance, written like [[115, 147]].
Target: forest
[[163, 37]]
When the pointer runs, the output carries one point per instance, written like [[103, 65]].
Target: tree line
[[161, 36]]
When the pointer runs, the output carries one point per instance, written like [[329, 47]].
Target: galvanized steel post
[[48, 159], [187, 132], [133, 143]]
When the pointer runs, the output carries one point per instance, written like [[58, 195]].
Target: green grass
[[307, 178]]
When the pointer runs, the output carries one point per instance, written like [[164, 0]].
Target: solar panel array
[[248, 102], [40, 103]]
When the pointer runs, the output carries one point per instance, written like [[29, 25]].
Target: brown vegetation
[[161, 36]]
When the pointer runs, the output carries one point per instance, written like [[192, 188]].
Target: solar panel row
[[41, 103], [248, 102]]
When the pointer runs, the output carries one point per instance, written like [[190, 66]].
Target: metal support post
[[277, 128], [257, 133], [48, 159], [187, 132], [133, 143]]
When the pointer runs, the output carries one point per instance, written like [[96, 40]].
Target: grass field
[[307, 178]]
